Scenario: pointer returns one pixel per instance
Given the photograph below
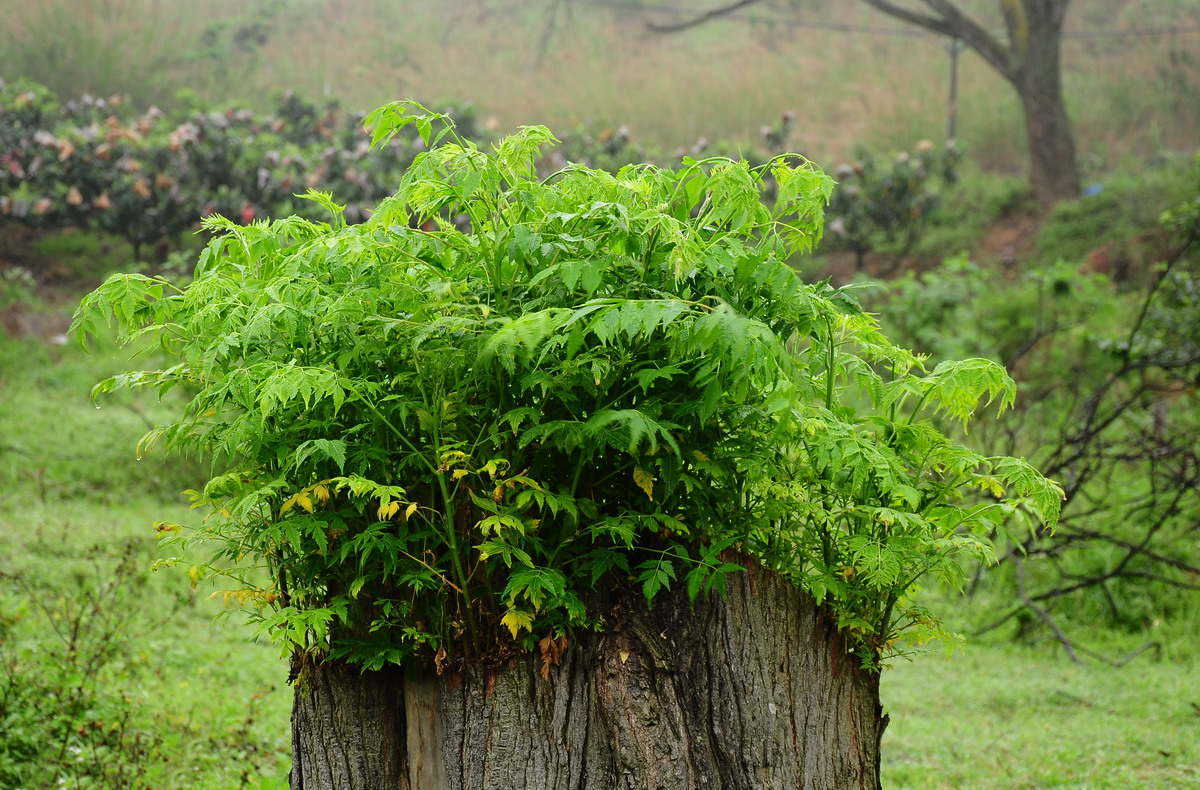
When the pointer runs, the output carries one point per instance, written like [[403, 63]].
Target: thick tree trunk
[[1037, 76], [753, 690]]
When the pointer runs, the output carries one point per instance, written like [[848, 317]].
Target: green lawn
[[114, 674], [1002, 716]]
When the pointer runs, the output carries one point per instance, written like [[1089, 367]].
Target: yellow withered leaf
[[321, 493], [645, 481], [408, 511], [515, 620], [460, 474], [388, 509]]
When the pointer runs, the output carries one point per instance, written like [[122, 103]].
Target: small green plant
[[886, 203], [437, 437], [60, 717]]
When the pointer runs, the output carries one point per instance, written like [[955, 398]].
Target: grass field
[[122, 668], [1004, 716], [200, 705]]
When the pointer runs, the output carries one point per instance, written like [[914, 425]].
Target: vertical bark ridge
[[752, 691], [348, 730]]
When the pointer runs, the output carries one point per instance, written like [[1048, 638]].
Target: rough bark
[[348, 730], [753, 690]]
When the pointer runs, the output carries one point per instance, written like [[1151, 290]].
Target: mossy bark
[[752, 690]]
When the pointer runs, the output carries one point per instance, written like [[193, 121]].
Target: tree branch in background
[[700, 19], [1040, 612], [935, 24], [972, 34]]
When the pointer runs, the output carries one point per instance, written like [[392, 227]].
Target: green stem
[[400, 436], [829, 366]]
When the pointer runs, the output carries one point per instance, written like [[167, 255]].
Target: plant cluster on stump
[[593, 492]]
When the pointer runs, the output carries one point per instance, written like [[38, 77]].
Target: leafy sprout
[[456, 426]]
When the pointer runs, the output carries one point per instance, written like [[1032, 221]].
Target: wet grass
[[1004, 716]]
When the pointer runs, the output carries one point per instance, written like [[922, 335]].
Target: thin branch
[[700, 19], [976, 37], [936, 24], [1120, 662], [953, 23], [1172, 561], [1043, 614]]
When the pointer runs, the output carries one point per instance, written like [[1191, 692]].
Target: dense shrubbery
[[94, 163], [1109, 407], [148, 177], [885, 203]]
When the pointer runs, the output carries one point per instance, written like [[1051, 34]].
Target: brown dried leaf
[[552, 651]]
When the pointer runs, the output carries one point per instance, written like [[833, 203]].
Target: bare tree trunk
[[754, 690], [1038, 80], [348, 729]]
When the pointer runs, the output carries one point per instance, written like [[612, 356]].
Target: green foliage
[[88, 633], [967, 209], [886, 203], [86, 730], [75, 705], [1109, 405], [436, 438], [1119, 220], [93, 163]]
